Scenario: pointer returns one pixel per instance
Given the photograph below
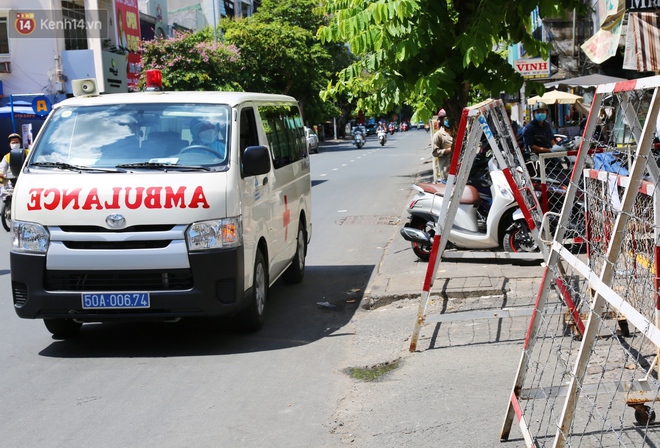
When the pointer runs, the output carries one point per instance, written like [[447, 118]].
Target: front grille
[[98, 229], [172, 280], [116, 245]]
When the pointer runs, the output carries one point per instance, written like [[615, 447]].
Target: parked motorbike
[[5, 209], [480, 223], [382, 137]]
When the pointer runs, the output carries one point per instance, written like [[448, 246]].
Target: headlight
[[29, 237], [506, 193], [215, 234]]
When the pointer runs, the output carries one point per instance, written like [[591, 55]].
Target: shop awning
[[22, 109], [642, 52], [584, 81]]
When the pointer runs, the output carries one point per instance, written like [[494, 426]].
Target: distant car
[[371, 128], [420, 125], [312, 140]]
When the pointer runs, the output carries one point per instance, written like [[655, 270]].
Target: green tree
[[430, 53], [280, 53], [193, 61]]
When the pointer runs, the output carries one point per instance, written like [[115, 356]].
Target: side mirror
[[16, 160], [256, 161]]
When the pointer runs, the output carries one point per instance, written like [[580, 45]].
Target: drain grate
[[370, 220]]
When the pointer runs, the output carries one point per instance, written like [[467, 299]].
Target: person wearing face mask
[[442, 144], [205, 133], [537, 134], [15, 142]]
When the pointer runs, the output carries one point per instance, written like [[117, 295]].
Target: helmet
[[539, 105], [15, 135], [442, 113]]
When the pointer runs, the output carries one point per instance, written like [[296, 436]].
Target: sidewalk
[[460, 376]]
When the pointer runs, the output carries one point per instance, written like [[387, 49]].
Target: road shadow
[[297, 315], [348, 146]]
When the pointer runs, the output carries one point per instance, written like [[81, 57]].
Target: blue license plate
[[115, 300]]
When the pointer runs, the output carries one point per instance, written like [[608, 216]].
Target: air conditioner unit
[[5, 67]]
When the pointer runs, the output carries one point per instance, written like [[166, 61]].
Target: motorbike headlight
[[506, 193], [215, 234], [30, 237]]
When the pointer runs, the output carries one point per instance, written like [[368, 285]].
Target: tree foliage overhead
[[193, 61], [430, 53], [276, 50]]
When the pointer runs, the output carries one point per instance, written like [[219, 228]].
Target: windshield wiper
[[160, 165], [68, 166]]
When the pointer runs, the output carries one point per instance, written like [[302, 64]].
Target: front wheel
[[518, 238], [62, 328], [5, 214], [296, 272], [252, 318]]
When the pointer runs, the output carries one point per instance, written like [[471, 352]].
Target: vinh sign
[[533, 67]]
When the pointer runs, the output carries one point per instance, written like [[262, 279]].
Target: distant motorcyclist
[[359, 129], [381, 131]]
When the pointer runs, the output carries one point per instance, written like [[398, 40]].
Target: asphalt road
[[202, 384]]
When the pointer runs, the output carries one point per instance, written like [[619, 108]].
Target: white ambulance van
[[159, 206]]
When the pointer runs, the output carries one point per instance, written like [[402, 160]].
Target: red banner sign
[[128, 36]]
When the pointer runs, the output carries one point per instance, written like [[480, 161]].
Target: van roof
[[230, 98]]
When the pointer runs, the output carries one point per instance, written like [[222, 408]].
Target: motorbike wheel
[[519, 239], [5, 215], [422, 252]]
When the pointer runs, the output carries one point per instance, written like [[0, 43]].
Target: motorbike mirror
[[16, 160]]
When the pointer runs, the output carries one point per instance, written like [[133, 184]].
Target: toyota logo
[[115, 221]]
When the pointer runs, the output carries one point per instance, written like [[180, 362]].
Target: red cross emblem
[[286, 218]]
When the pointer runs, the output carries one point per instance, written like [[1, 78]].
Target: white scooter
[[382, 137], [483, 221]]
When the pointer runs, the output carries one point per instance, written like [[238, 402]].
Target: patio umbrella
[[556, 97]]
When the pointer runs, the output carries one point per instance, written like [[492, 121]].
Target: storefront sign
[[642, 5], [128, 37], [533, 67]]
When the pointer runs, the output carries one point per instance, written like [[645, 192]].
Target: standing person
[[442, 144], [537, 134], [15, 142]]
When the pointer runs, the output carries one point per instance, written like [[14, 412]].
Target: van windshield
[[136, 135]]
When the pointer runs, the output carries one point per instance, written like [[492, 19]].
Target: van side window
[[248, 130], [285, 132], [247, 134]]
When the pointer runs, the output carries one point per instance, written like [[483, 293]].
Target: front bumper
[[211, 286]]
